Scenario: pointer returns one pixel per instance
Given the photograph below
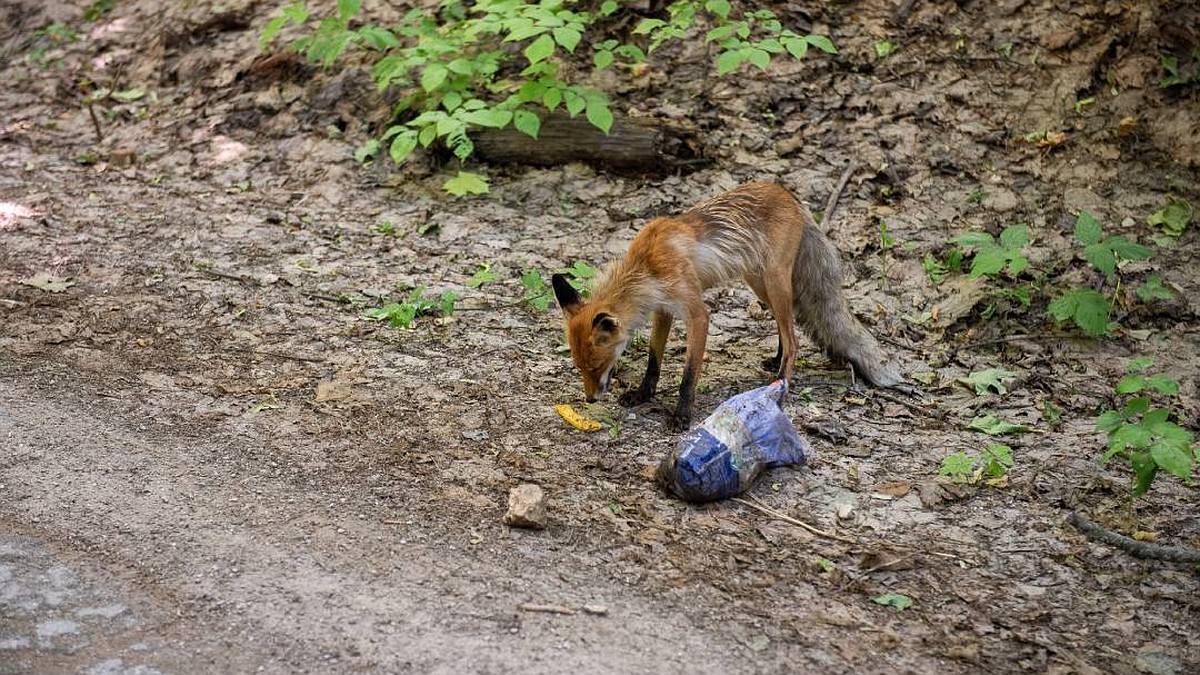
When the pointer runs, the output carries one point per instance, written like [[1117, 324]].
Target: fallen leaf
[[894, 488], [48, 282], [576, 420]]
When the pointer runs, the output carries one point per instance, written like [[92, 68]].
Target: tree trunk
[[634, 146]]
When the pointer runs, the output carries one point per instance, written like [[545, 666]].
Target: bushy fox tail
[[821, 307]]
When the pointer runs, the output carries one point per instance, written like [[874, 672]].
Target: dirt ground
[[214, 463]]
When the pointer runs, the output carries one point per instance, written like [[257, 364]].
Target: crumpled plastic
[[724, 455]]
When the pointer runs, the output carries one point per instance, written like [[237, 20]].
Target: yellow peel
[[576, 420]]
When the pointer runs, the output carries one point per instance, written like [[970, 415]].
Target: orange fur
[[759, 233]]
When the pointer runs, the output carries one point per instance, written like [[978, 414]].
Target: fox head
[[596, 336]]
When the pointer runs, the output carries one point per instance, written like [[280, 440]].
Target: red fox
[[759, 232]]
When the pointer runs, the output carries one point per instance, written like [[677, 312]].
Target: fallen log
[[632, 145]]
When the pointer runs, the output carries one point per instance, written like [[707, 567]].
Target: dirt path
[[212, 462]]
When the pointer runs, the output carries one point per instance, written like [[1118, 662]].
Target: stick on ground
[[1138, 549]]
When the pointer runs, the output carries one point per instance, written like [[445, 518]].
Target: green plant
[[1172, 218], [1082, 103], [883, 49], [402, 314], [1144, 435], [495, 63], [992, 464], [993, 256], [938, 269], [582, 276], [483, 275], [1177, 74], [537, 292], [1088, 307], [896, 601]]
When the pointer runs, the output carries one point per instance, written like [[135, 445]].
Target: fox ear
[[605, 323], [568, 298]]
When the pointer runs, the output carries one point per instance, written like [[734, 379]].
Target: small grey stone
[[526, 507]]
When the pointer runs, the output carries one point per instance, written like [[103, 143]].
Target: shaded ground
[[213, 462]]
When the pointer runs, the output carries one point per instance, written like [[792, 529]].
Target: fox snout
[[595, 387]]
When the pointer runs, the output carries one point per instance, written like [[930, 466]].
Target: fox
[[759, 232]]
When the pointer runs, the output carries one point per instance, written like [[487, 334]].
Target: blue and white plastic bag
[[746, 435]]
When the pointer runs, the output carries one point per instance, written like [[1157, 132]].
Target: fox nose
[[591, 398]]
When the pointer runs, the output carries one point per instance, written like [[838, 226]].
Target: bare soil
[[214, 463]]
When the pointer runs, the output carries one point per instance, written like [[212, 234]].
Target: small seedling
[[883, 49], [537, 293], [896, 601], [402, 314], [992, 256], [483, 275], [582, 276], [991, 465], [1083, 103], [1145, 436], [977, 197], [384, 227], [1172, 218], [1087, 307]]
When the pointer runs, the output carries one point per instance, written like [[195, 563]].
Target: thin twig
[[830, 205], [766, 510], [91, 108], [1139, 549]]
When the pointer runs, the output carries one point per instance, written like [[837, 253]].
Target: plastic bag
[[743, 437]]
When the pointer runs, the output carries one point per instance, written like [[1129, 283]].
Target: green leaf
[[821, 42], [599, 114], [1163, 384], [1172, 458], [402, 146], [894, 600], [1136, 406], [1153, 289], [1064, 307], [575, 102], [728, 62], [466, 183], [797, 47], [602, 59], [992, 378], [367, 151], [1130, 436], [566, 37], [1144, 469], [347, 9], [719, 7], [433, 76], [378, 38], [427, 135], [883, 48], [1017, 265], [648, 25], [1101, 257], [527, 123], [719, 33], [1109, 420], [608, 7], [1173, 218], [1127, 250], [1131, 384], [552, 98], [760, 58], [128, 95], [540, 49], [1139, 363], [1087, 228], [988, 261], [957, 466], [1014, 237], [483, 275], [994, 426], [1091, 314], [998, 458]]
